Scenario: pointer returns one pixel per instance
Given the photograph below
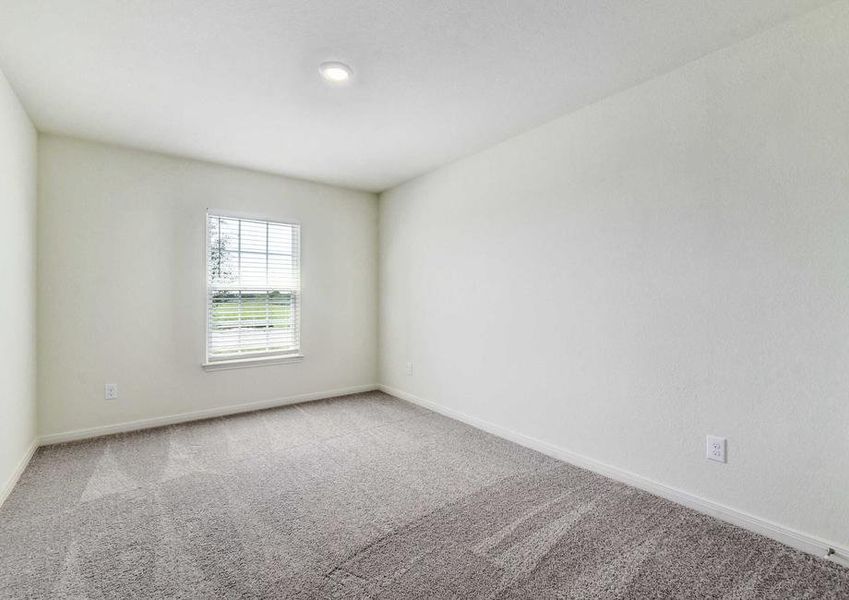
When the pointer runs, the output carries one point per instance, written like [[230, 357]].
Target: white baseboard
[[92, 432], [9, 485], [791, 537]]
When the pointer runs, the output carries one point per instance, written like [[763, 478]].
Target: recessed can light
[[335, 72]]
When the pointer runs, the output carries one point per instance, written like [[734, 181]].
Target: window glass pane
[[222, 267], [279, 239], [253, 236]]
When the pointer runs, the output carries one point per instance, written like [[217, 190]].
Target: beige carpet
[[364, 497]]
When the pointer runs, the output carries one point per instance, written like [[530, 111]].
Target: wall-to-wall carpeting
[[364, 496]]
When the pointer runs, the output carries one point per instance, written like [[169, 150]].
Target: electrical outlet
[[715, 449], [110, 391], [408, 368]]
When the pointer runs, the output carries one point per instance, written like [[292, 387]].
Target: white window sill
[[241, 363]]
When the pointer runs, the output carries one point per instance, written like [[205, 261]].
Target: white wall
[[670, 262], [122, 285], [17, 273]]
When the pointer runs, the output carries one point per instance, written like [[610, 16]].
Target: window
[[253, 289]]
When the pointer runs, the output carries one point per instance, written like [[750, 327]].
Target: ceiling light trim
[[335, 72]]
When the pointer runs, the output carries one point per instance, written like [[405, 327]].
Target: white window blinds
[[253, 288]]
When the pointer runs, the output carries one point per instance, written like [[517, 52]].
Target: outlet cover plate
[[715, 448], [110, 391]]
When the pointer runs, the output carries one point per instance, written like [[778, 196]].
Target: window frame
[[259, 359]]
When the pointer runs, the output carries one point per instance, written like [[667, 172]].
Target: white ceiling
[[236, 81]]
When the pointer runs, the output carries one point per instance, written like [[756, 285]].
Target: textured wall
[[122, 284], [17, 273], [670, 262]]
